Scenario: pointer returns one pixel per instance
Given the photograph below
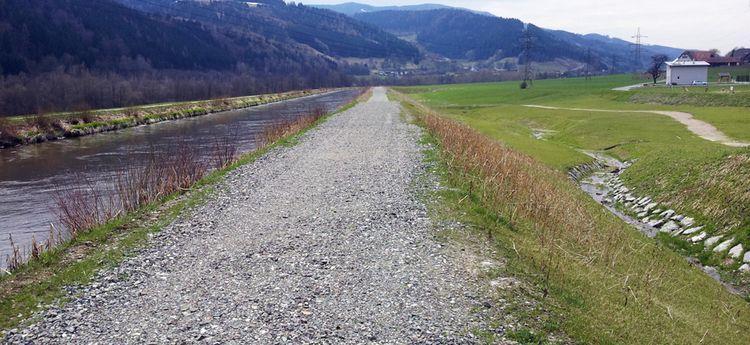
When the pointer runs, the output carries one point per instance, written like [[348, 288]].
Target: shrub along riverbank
[[23, 130], [106, 238], [608, 283]]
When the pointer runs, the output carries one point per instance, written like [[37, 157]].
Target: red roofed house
[[713, 58]]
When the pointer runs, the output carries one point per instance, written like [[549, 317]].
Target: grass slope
[[607, 282], [705, 180]]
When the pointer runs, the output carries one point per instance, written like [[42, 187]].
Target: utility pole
[[638, 49], [527, 43]]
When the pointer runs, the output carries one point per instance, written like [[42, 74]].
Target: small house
[[684, 71]]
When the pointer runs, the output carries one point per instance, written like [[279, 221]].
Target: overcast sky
[[698, 24]]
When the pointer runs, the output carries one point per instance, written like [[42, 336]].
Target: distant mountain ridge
[[615, 50], [459, 34], [464, 34], [353, 8]]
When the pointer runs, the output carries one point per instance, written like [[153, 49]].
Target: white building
[[687, 72]]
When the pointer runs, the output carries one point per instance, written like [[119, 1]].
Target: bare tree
[[655, 69]]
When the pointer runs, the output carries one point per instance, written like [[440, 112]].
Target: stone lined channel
[[30, 174], [652, 217]]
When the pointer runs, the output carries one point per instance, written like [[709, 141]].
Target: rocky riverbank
[[43, 128]]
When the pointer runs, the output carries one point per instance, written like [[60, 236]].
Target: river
[[29, 175]]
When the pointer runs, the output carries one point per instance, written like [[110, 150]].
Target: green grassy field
[[671, 163], [674, 303], [699, 178]]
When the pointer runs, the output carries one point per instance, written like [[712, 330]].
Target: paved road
[[702, 129], [324, 242]]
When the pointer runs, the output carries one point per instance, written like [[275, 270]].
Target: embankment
[[610, 283], [41, 128]]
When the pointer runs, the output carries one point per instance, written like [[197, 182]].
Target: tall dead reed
[[36, 249], [286, 128], [83, 206], [157, 176], [224, 151], [523, 191]]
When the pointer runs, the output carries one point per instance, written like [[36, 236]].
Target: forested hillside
[[78, 54], [460, 34], [327, 32], [43, 34], [615, 52]]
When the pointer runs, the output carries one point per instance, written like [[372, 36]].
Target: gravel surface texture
[[324, 242]]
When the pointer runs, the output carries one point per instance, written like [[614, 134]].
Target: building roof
[[709, 56], [687, 63]]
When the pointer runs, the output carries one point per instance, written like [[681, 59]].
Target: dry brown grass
[[224, 152], [289, 127], [522, 189]]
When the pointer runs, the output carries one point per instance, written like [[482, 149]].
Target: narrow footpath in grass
[[702, 129]]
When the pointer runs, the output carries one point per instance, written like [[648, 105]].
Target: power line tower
[[527, 42], [638, 45]]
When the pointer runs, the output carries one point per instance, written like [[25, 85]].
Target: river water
[[29, 175]]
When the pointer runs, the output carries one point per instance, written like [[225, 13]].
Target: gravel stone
[[712, 241], [323, 242], [736, 251], [724, 245]]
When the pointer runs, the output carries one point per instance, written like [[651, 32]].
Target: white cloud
[[700, 24]]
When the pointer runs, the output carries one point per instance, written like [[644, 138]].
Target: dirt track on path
[[700, 128]]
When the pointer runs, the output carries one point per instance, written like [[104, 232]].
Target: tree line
[[78, 88]]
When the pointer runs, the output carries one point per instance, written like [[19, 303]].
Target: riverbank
[[32, 129], [41, 282]]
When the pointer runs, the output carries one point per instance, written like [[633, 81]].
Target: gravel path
[[323, 242], [702, 129]]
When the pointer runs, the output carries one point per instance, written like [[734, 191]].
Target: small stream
[[29, 175], [595, 184]]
